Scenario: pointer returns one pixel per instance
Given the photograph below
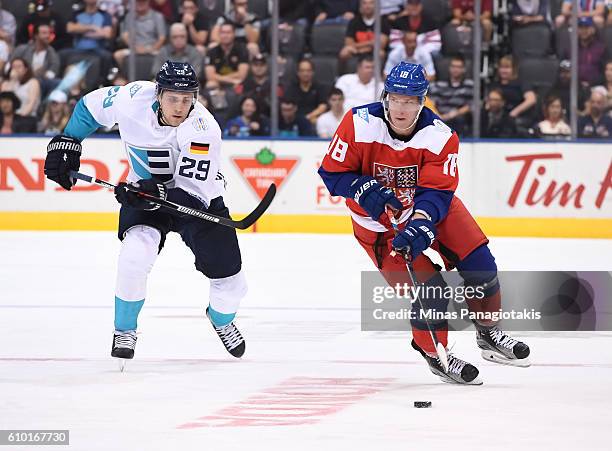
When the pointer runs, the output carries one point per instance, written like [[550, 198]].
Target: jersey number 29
[[189, 170]]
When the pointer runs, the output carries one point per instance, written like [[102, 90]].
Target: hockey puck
[[422, 404]]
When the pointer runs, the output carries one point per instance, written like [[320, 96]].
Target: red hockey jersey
[[363, 145]]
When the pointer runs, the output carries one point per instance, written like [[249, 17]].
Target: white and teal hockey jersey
[[186, 157]]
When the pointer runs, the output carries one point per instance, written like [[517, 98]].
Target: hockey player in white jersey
[[173, 145]]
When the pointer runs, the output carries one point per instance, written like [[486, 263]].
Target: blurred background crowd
[[54, 51]]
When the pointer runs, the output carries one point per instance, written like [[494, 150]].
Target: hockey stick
[[245, 223], [440, 349]]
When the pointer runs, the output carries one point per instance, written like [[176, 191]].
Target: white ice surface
[[301, 320]]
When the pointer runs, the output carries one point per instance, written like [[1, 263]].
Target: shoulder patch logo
[[134, 89], [441, 126], [200, 124], [363, 114]]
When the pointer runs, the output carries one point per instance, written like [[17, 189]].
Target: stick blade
[[260, 209]]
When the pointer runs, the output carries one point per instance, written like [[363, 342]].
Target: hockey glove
[[63, 156], [373, 197], [418, 235], [132, 199]]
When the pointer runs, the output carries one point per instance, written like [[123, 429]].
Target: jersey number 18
[[337, 149]]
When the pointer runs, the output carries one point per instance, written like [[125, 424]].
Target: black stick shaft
[[243, 224]]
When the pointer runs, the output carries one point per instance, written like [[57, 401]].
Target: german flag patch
[[198, 148]]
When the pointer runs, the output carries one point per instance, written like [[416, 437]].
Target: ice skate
[[124, 343], [459, 371], [499, 347], [230, 337]]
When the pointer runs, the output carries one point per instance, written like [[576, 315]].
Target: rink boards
[[513, 188]]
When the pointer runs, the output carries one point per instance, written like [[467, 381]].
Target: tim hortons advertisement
[[538, 180], [558, 180]]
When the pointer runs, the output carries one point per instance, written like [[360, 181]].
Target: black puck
[[422, 404]]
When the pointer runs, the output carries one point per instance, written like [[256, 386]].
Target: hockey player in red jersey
[[398, 154]]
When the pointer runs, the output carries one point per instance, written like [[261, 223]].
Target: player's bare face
[[175, 106], [403, 111]]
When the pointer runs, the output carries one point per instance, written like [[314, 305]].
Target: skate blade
[[444, 378], [502, 360], [476, 381], [122, 364]]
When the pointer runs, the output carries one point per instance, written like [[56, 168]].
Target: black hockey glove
[[132, 199], [63, 156]]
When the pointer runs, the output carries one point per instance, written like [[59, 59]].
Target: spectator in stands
[[41, 57], [10, 121], [453, 98], [92, 30], [43, 12], [518, 101], [411, 53], [608, 85], [411, 18], [246, 26], [119, 79], [562, 87], [463, 14], [291, 124], [22, 82], [609, 12], [115, 8], [8, 26], [290, 11], [525, 12], [328, 122], [391, 8], [596, 124], [338, 11], [227, 64], [594, 9], [249, 123], [257, 84], [56, 114], [494, 120], [591, 52], [196, 23], [359, 37], [178, 49], [149, 31], [166, 8], [4, 56], [311, 95], [359, 88], [553, 124]]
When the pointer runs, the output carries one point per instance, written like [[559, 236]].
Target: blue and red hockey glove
[[418, 235], [373, 197]]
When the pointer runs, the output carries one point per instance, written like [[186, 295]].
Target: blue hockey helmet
[[407, 79], [177, 76]]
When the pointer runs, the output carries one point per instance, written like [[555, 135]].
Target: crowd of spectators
[[60, 50]]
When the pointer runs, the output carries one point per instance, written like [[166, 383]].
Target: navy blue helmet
[[176, 76]]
